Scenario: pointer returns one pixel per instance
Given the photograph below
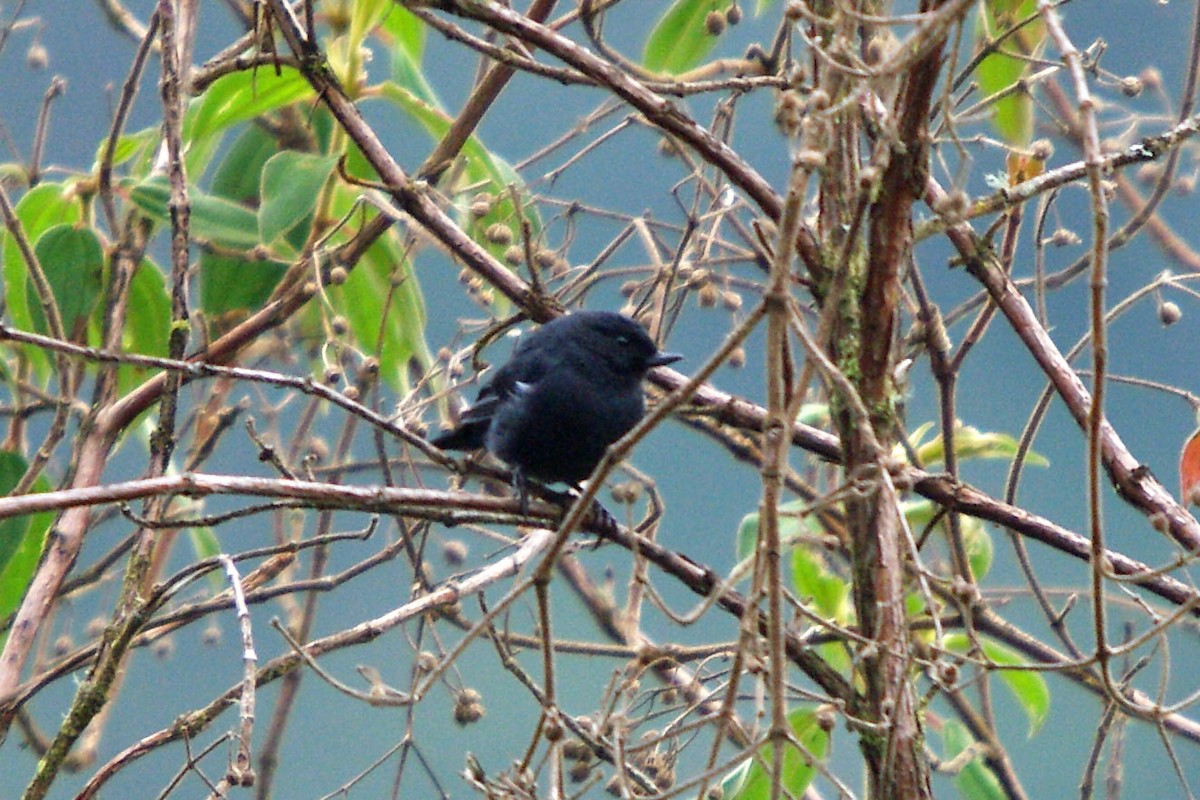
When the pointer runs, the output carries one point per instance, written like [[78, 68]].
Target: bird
[[570, 389]]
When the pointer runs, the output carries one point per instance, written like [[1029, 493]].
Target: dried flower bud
[[467, 713], [576, 749], [714, 23], [1062, 237], [37, 57], [454, 552], [1169, 313], [580, 771], [483, 199], [553, 731], [825, 718], [164, 648], [499, 233], [868, 176], [1149, 173]]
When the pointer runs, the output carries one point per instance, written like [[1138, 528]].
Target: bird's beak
[[662, 359]]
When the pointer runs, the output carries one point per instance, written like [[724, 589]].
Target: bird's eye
[[622, 340]]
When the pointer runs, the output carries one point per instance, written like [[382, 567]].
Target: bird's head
[[619, 342]]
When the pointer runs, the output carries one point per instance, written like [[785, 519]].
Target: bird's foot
[[606, 525], [603, 523]]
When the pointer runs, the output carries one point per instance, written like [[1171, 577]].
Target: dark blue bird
[[571, 388]]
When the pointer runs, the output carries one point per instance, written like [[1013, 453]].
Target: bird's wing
[[527, 366], [514, 378]]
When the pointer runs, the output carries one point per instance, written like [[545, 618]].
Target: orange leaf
[[1189, 469]]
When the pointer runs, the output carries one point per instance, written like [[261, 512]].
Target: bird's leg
[[521, 484]]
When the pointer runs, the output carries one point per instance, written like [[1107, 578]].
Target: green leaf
[[12, 529], [233, 99], [239, 175], [814, 414], [830, 595], [681, 39], [213, 219], [812, 579], [229, 283], [129, 146], [291, 185], [148, 320], [790, 526], [242, 96], [976, 539], [970, 442], [21, 537], [978, 543], [383, 302], [40, 209], [798, 769], [1013, 114], [367, 14], [1027, 686], [975, 781], [408, 37], [732, 783], [72, 260], [206, 545], [147, 323], [405, 32]]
